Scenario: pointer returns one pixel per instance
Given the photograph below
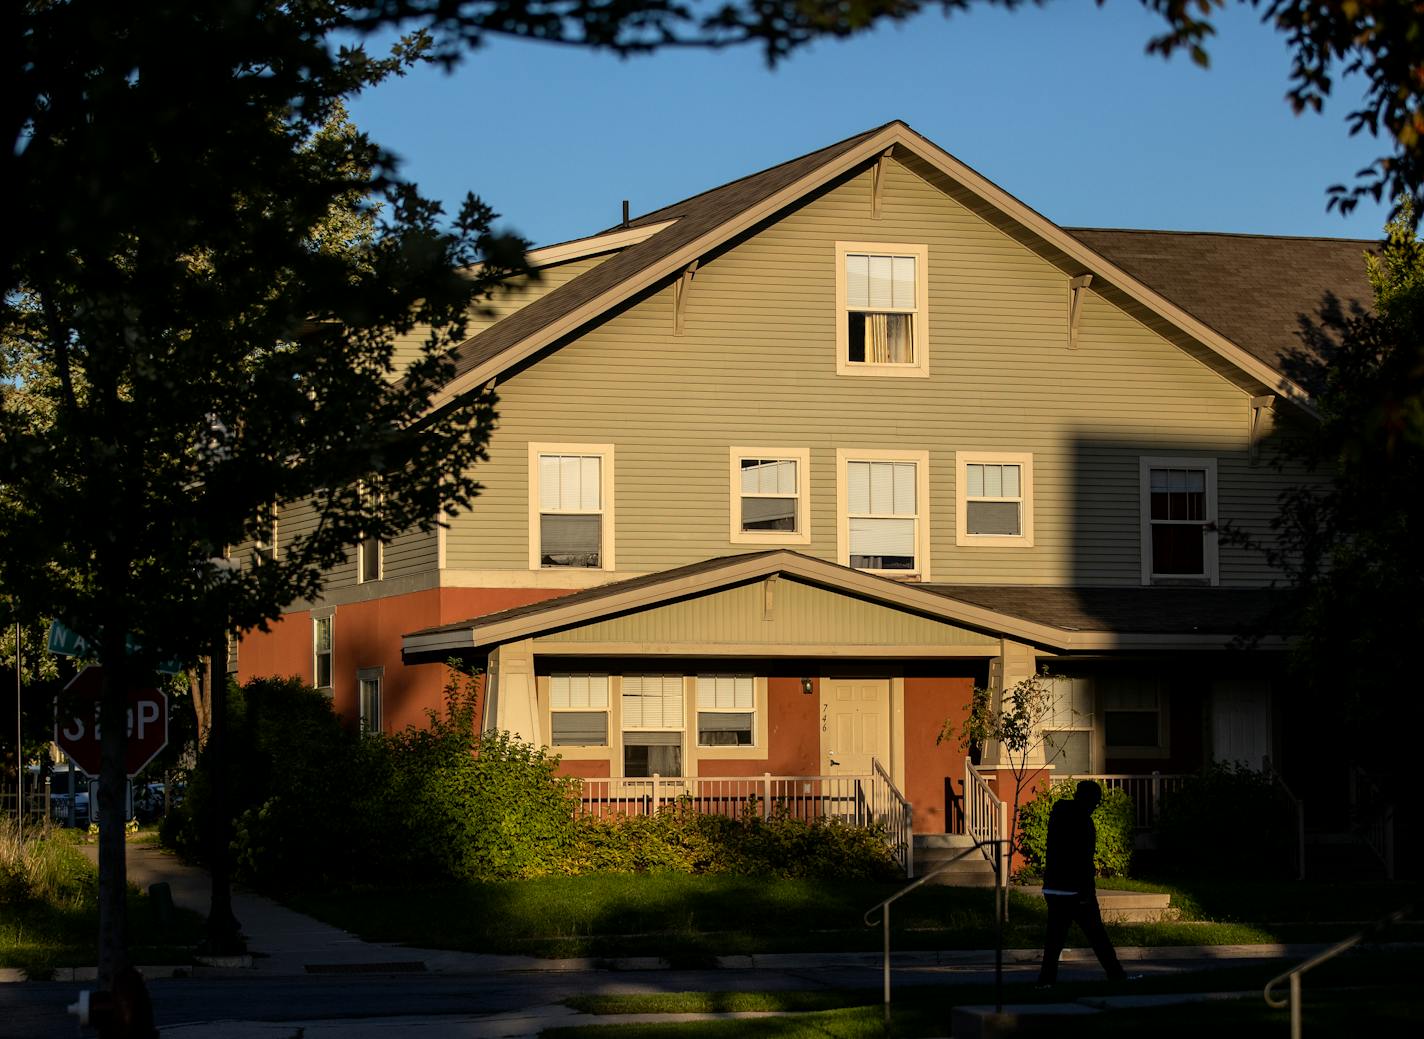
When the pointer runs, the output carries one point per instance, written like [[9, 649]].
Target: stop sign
[[78, 734]]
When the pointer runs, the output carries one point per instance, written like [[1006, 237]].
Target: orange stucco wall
[[368, 634], [794, 744], [933, 773]]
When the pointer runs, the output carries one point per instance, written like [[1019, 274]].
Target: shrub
[[678, 839], [1228, 810], [1114, 819]]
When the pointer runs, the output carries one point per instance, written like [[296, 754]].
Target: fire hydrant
[[126, 1012]]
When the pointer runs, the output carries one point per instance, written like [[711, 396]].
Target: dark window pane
[[642, 760], [579, 728], [1160, 506], [370, 559], [992, 517], [1130, 728], [856, 336], [724, 729], [323, 670], [883, 562], [1178, 549], [769, 514], [569, 540]]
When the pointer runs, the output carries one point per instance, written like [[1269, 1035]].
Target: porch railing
[[986, 817], [1373, 818], [1297, 808], [1144, 791], [866, 800]]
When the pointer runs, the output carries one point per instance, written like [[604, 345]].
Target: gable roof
[[1253, 289], [706, 221], [1067, 620]]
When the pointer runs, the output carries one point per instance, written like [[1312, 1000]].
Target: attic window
[[881, 309]]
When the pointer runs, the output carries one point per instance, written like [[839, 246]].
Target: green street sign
[[64, 641]]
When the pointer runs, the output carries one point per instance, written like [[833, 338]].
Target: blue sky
[[1060, 106]]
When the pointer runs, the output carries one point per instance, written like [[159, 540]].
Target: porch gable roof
[[989, 612]]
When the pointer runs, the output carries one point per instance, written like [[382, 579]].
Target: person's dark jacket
[[1072, 840]]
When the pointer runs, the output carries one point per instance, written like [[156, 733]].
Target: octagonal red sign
[[78, 733]]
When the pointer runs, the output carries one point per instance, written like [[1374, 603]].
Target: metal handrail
[[1000, 897], [1294, 974], [900, 832], [1299, 807]]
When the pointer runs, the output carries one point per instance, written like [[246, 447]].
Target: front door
[[1241, 721], [855, 726]]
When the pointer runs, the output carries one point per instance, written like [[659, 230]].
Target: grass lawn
[[688, 919], [49, 913]]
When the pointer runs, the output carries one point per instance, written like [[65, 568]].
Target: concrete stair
[[933, 850]]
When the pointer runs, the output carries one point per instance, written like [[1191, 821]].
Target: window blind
[[876, 282], [725, 692], [880, 488], [570, 483], [652, 702], [574, 691]]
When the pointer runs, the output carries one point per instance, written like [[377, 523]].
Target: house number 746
[[825, 717]]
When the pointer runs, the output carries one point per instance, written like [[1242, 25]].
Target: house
[[785, 469]]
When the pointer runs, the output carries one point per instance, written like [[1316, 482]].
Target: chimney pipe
[[625, 212]]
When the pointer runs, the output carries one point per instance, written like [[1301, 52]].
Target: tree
[[1014, 719], [1349, 541], [193, 350]]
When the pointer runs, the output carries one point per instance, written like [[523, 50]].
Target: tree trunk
[[224, 932], [199, 682], [113, 866]]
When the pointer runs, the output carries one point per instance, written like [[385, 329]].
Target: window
[[884, 512], [1178, 519], [881, 309], [995, 501], [1134, 717], [769, 495], [368, 549], [321, 652], [726, 710], [1068, 727], [578, 710], [368, 683], [266, 543], [571, 506], [652, 725]]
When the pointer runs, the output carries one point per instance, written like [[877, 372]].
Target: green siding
[[802, 615], [757, 367]]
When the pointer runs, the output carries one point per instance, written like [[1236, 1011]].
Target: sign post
[[78, 734]]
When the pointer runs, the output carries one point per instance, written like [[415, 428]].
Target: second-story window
[[769, 495], [1178, 518], [571, 518], [884, 521], [881, 289]]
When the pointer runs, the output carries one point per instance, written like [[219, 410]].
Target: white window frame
[[1077, 721], [1210, 561], [599, 749], [920, 367], [962, 461], [328, 617], [684, 751], [1163, 749], [921, 459], [713, 750], [605, 552], [268, 546], [802, 534], [376, 676]]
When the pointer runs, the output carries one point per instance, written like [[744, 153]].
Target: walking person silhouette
[[1068, 885]]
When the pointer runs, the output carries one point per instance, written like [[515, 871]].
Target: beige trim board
[[895, 135], [757, 649]]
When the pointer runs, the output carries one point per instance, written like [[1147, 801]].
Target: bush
[[1228, 810], [1114, 819], [678, 839]]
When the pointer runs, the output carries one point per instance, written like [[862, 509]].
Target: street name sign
[[64, 641]]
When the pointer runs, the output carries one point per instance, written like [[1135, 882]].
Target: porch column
[[511, 702], [1015, 662]]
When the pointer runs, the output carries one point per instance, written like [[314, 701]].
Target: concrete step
[[942, 840], [1126, 907]]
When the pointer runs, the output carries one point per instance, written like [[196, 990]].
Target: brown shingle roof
[[1253, 289], [1137, 611], [695, 217]]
